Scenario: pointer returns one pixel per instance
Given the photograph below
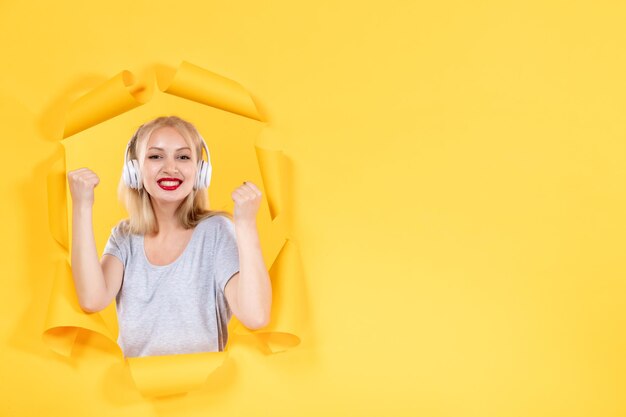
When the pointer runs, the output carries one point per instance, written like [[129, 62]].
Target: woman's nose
[[170, 165]]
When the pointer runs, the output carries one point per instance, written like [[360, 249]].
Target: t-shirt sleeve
[[117, 245], [226, 253]]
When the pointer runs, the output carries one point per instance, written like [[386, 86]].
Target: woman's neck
[[166, 218]]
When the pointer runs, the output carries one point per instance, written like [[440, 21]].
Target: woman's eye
[[153, 156], [185, 157]]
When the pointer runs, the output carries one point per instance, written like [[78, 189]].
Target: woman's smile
[[169, 184]]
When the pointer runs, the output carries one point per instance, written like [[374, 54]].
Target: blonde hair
[[191, 210]]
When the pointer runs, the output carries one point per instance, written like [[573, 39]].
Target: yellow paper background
[[457, 201]]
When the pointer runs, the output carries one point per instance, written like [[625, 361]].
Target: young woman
[[177, 270]]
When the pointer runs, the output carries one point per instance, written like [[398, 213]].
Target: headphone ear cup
[[127, 175], [200, 176], [132, 174], [209, 172], [203, 178], [138, 180]]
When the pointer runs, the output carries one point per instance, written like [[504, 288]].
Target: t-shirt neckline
[[174, 262]]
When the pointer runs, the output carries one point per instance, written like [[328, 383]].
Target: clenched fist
[[247, 198], [82, 183]]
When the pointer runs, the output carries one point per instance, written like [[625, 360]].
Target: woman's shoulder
[[122, 228]]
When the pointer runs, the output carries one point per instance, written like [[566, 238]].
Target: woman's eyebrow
[[160, 149]]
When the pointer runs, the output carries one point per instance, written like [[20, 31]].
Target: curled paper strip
[[286, 321], [197, 84], [98, 127], [65, 317], [110, 99]]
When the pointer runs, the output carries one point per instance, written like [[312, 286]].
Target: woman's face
[[169, 166]]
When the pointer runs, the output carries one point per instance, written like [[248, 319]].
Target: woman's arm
[[249, 292], [88, 273]]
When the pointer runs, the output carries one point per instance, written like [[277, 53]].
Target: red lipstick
[[170, 186]]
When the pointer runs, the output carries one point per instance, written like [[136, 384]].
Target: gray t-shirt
[[180, 307]]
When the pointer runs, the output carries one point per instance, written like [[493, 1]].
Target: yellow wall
[[457, 199]]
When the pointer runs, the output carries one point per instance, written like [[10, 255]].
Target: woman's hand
[[82, 183], [247, 198]]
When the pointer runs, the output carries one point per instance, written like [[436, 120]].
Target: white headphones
[[132, 173]]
